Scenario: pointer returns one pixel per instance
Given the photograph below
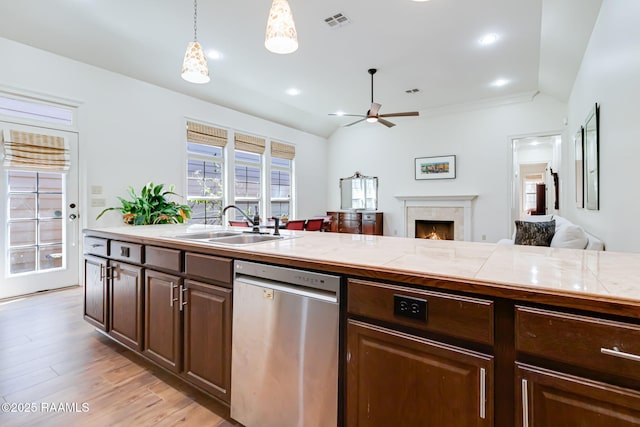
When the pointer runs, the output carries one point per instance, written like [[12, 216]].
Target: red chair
[[238, 223], [295, 224], [314, 224]]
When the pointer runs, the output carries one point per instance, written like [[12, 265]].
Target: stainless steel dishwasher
[[284, 369]]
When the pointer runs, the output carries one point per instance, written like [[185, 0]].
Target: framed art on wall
[[591, 166], [443, 167], [578, 142]]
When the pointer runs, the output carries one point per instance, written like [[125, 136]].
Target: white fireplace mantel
[[462, 229]]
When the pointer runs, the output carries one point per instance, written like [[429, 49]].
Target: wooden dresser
[[356, 222]]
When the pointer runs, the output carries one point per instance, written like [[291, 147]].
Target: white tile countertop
[[611, 276]]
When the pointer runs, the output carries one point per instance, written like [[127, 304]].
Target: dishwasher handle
[[326, 296]]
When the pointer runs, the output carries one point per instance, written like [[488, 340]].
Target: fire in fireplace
[[435, 230]]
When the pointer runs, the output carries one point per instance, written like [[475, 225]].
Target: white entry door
[[39, 240]]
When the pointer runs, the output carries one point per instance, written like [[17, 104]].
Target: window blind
[[283, 151], [35, 151], [209, 135], [251, 144]]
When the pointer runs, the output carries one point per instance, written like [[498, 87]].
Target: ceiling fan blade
[[347, 115], [407, 114], [387, 123], [375, 107], [353, 123]]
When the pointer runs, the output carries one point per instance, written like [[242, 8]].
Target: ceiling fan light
[[281, 36], [194, 66], [372, 119]]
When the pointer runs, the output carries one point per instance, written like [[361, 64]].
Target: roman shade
[[209, 135], [34, 151], [251, 144], [282, 151]]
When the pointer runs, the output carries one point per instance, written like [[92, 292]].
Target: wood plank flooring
[[58, 367]]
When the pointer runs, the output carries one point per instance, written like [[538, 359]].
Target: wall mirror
[[591, 171], [359, 192]]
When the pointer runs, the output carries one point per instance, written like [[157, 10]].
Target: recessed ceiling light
[[293, 91], [500, 82], [214, 54], [488, 39]]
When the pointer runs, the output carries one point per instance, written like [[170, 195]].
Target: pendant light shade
[[194, 66], [281, 36]]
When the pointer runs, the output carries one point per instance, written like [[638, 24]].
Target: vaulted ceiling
[[432, 46]]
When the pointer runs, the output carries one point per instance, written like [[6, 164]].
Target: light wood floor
[[50, 356]]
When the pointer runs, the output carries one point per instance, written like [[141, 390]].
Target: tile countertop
[[607, 276]]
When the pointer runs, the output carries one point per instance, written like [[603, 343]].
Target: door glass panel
[[22, 260], [22, 233], [35, 226], [22, 181], [50, 231], [50, 206], [22, 206], [50, 182], [50, 257]]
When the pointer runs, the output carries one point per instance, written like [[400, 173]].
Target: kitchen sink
[[245, 239], [205, 235], [228, 237]]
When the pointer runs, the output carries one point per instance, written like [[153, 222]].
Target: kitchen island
[[435, 332]]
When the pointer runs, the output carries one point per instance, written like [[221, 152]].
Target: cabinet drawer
[[453, 315], [369, 217], [209, 267], [166, 259], [588, 342], [126, 251], [96, 246]]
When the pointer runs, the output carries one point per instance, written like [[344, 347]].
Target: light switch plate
[[98, 203], [96, 189]]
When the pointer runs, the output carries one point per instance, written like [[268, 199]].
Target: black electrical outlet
[[124, 251], [413, 308]]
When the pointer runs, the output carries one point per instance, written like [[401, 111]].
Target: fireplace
[[454, 208], [434, 230]]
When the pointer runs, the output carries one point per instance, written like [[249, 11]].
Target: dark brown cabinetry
[[173, 307], [546, 398], [399, 378], [162, 320], [356, 222], [568, 343], [207, 337], [95, 291], [125, 304], [395, 379]]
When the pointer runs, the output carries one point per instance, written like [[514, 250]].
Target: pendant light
[[194, 66], [281, 36]]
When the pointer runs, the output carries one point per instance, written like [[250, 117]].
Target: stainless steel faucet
[[255, 222]]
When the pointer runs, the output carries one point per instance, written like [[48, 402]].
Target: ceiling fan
[[372, 114]]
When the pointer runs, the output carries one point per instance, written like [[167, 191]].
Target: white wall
[[133, 132], [480, 140], [610, 76]]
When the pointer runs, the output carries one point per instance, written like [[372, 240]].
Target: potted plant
[[151, 207]]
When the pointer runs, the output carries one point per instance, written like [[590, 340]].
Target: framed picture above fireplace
[[443, 167]]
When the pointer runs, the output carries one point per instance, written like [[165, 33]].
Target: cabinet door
[[395, 379], [126, 304], [207, 337], [547, 398], [162, 320], [95, 291]]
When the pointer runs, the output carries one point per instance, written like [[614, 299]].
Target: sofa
[[565, 234]]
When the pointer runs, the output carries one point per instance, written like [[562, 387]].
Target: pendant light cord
[[195, 20]]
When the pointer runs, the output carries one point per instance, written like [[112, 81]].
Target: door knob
[[73, 216]]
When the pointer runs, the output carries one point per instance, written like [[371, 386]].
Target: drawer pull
[[97, 245], [525, 403], [617, 353], [483, 392]]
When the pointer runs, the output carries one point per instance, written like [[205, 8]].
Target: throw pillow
[[534, 233], [534, 218], [570, 236]]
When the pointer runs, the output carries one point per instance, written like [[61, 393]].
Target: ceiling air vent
[[337, 20], [412, 90]]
